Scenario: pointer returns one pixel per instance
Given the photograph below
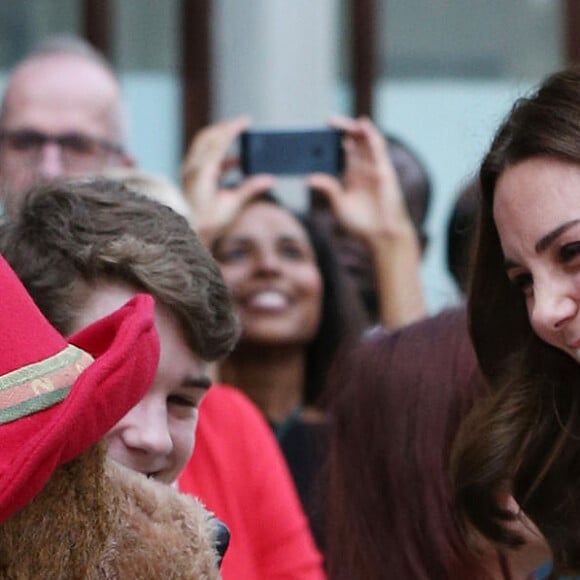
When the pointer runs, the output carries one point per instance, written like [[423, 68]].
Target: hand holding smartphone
[[292, 152]]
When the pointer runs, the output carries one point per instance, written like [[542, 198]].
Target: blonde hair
[[155, 186]]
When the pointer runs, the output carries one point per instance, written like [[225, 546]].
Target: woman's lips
[[271, 300]]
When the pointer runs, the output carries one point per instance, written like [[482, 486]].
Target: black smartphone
[[292, 151]]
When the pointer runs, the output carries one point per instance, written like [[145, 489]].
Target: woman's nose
[[267, 261], [555, 304]]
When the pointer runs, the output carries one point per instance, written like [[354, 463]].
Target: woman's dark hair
[[525, 438], [398, 402], [342, 319], [461, 229], [415, 182]]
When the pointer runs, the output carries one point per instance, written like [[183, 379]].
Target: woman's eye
[[569, 251], [523, 282], [231, 254], [292, 252]]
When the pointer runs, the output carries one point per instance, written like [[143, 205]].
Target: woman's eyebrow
[[544, 243]]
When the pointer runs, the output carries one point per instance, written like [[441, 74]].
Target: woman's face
[[537, 214], [270, 267]]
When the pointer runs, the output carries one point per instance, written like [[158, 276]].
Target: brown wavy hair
[[68, 234], [524, 439], [399, 400]]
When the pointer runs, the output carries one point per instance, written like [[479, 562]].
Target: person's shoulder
[[231, 407], [232, 427], [225, 392], [222, 395]]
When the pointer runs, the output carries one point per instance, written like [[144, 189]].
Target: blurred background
[[439, 74]]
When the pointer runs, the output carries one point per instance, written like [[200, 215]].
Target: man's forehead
[[61, 93]]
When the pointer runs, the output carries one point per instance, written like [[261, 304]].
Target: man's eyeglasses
[[79, 152]]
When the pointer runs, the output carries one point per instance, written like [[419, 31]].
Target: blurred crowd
[[304, 393]]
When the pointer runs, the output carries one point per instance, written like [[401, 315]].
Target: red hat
[[56, 399]]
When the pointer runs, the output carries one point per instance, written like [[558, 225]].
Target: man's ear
[[127, 160]]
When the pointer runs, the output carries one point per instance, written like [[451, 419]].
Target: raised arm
[[214, 207], [370, 205]]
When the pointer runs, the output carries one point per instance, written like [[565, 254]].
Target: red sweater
[[239, 472]]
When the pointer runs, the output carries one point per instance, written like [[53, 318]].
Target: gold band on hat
[[40, 385]]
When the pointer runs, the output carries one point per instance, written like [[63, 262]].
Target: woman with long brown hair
[[523, 442]]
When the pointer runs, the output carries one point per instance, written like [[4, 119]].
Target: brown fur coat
[[96, 520]]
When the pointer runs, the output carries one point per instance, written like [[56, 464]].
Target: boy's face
[[157, 436]]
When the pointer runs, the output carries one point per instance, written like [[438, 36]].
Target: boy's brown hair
[[71, 233]]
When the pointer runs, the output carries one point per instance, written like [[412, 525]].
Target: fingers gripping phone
[[292, 152]]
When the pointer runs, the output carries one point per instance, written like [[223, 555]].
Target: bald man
[[61, 114]]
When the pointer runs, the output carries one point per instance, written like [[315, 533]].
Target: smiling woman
[[541, 244], [297, 306], [296, 310], [275, 283], [524, 310]]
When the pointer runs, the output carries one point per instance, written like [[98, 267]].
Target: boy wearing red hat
[[82, 249], [93, 245], [65, 511]]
